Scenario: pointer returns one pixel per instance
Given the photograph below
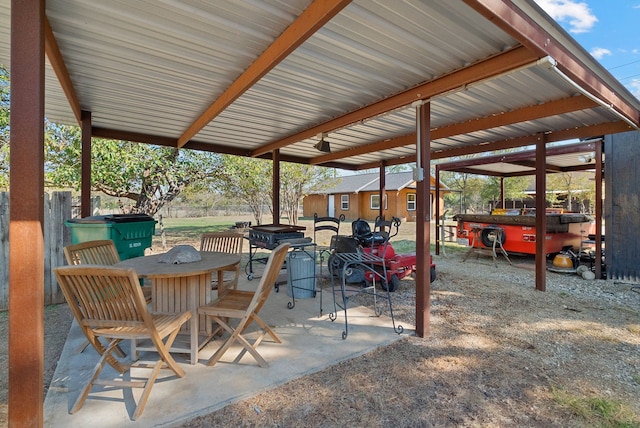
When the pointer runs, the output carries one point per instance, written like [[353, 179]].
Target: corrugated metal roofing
[[152, 67]]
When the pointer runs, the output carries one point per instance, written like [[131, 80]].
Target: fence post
[[57, 210]]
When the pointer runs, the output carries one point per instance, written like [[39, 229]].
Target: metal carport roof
[[249, 77]]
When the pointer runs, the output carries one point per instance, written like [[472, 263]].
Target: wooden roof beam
[[493, 66], [527, 140], [311, 20], [60, 69], [565, 105]]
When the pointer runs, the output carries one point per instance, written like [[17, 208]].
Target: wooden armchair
[[225, 242], [108, 302], [245, 306]]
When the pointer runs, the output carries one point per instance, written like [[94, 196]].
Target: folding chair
[[225, 242], [108, 302], [245, 306], [99, 252]]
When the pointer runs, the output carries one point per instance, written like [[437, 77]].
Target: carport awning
[[559, 158], [247, 78]]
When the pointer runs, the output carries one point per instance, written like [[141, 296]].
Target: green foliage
[[248, 179], [148, 176], [251, 180], [597, 411], [514, 188], [297, 181], [576, 185]]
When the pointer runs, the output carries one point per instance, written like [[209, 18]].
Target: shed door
[[331, 210]]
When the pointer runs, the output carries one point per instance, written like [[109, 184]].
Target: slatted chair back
[[100, 252], [225, 242], [245, 307], [325, 224], [108, 302]]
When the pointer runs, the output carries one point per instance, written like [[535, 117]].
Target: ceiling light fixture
[[323, 145], [588, 158]]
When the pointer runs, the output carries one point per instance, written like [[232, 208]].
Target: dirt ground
[[498, 353]]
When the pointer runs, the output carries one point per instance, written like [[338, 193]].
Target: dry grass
[[497, 354]]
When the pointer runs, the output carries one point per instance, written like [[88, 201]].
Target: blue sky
[[608, 29]]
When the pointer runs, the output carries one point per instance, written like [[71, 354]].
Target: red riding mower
[[376, 243]]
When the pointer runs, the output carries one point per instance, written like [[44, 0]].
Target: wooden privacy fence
[[57, 209]]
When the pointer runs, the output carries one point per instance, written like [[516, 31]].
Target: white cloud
[[598, 53], [634, 87], [577, 14]]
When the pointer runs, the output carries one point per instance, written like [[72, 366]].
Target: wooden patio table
[[183, 287]]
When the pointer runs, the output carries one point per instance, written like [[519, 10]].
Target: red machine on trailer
[[519, 230]]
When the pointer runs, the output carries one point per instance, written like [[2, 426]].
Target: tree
[[248, 179], [514, 188], [572, 184], [470, 187], [149, 176], [251, 180], [299, 180]]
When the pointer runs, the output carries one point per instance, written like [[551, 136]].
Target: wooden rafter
[[501, 63], [60, 69], [310, 21]]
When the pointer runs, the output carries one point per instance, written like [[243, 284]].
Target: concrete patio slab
[[310, 343]]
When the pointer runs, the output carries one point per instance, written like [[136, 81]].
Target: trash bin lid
[[112, 218]]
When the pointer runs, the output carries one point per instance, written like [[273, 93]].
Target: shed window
[[411, 201], [375, 202], [344, 202]]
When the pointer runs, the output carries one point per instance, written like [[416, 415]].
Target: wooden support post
[[541, 214], [383, 187], [598, 209], [275, 186], [26, 215], [85, 166], [439, 223], [423, 224]]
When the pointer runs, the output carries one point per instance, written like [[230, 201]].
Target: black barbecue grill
[[269, 236]]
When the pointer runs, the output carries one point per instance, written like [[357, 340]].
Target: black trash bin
[[131, 233]]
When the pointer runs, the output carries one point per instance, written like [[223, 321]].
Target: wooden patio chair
[[225, 242], [99, 252], [245, 306], [108, 303]]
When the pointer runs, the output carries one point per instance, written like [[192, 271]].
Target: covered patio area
[[310, 343]]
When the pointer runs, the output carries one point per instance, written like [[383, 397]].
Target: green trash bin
[[131, 233]]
